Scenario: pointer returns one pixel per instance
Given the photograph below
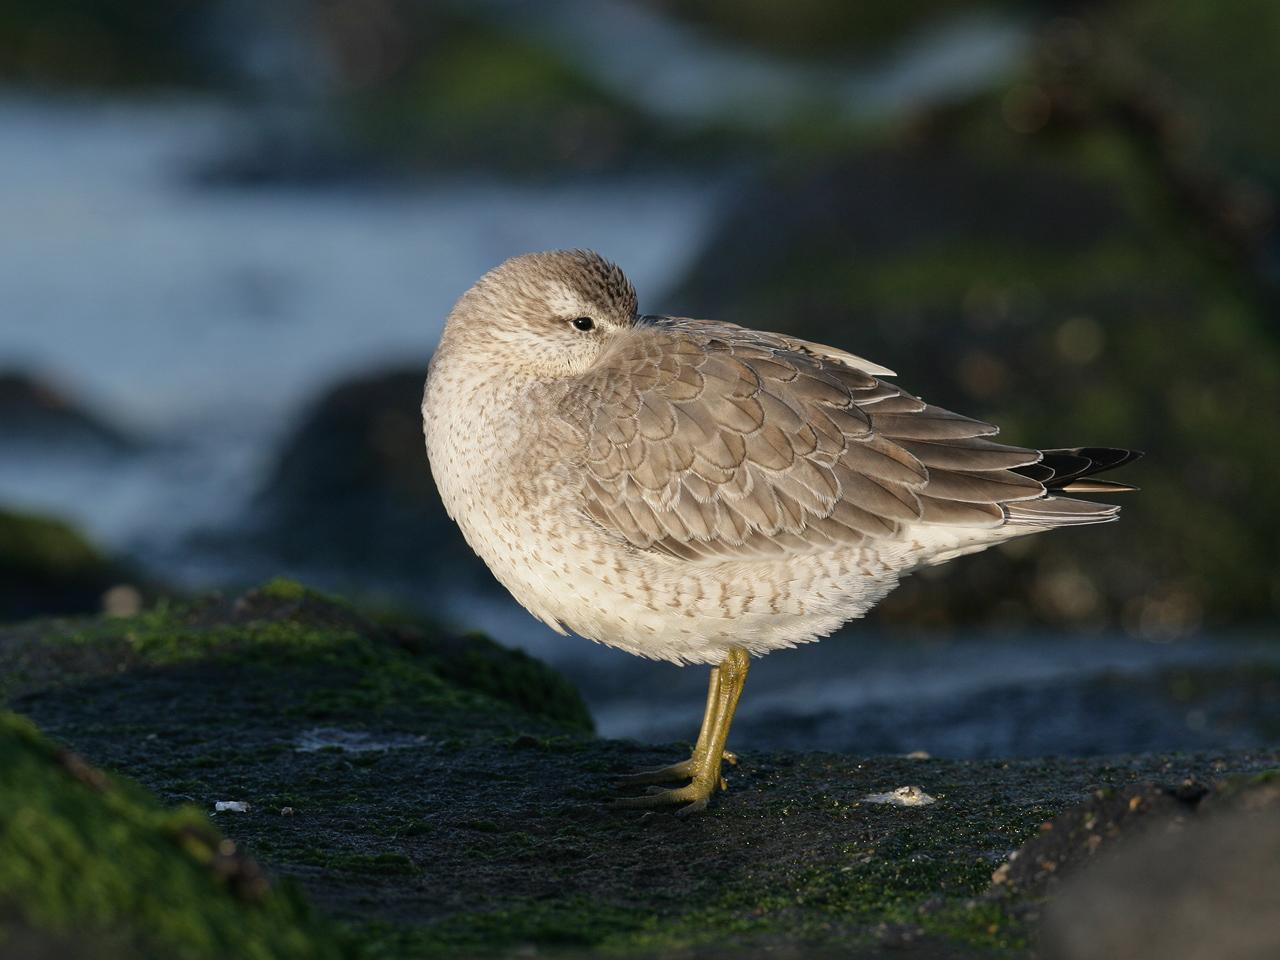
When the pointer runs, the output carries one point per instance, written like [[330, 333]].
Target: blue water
[[204, 319]]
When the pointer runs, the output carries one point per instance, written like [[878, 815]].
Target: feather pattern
[[710, 442]]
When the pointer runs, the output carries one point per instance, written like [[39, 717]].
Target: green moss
[[44, 546], [86, 858], [289, 628], [283, 588], [922, 880], [818, 908], [514, 677], [389, 864]]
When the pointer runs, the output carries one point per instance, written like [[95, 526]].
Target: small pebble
[[122, 600]]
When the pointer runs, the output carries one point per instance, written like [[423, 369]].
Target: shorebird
[[699, 492]]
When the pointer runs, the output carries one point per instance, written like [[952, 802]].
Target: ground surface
[[439, 796]]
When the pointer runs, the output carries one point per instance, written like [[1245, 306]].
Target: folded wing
[[707, 441]]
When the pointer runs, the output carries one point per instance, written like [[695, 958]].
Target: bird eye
[[583, 323]]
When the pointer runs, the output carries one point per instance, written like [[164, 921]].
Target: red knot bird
[[698, 492]]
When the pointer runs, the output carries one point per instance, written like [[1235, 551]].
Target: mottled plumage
[[684, 489]]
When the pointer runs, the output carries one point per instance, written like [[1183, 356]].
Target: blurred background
[[230, 233]]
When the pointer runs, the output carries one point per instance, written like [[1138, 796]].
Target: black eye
[[583, 323]]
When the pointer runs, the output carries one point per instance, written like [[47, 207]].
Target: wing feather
[[710, 442]]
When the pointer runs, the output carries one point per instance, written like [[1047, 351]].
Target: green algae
[[85, 857], [283, 588], [512, 676]]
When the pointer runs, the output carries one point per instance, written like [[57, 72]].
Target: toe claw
[[697, 806], [676, 771], [703, 776], [694, 796]]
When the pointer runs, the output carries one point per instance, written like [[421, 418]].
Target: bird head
[[545, 314]]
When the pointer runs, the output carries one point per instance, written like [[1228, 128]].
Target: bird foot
[[684, 770], [694, 795], [703, 775]]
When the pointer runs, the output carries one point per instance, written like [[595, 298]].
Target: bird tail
[[1072, 471]]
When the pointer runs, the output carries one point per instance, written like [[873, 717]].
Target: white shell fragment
[[231, 806], [901, 797]]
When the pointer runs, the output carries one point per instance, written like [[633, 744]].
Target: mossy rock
[[340, 659], [45, 547], [419, 800], [91, 865], [48, 567]]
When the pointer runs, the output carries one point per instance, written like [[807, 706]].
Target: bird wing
[[706, 440]]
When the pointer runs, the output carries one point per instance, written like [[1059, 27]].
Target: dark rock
[[48, 568], [1079, 835], [35, 415], [1204, 889], [352, 490]]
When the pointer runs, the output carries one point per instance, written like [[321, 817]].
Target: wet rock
[[1076, 837], [1204, 889], [352, 490], [39, 417]]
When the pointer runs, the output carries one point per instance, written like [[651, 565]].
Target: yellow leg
[[702, 769], [685, 768]]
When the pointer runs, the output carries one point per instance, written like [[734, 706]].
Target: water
[[204, 319], [866, 691]]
